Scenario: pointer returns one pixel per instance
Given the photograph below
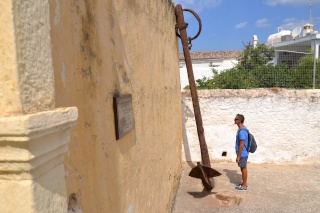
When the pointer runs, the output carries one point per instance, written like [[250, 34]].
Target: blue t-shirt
[[242, 135]]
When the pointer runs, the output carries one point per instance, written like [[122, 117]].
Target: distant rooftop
[[205, 55]]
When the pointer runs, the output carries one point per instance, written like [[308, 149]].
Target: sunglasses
[[236, 119]]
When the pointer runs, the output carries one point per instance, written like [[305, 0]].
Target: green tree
[[254, 57], [303, 78], [274, 76], [230, 79], [244, 74], [254, 71]]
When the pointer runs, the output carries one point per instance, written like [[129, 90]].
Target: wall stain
[[73, 204], [275, 90], [125, 78], [111, 21], [314, 99], [90, 61], [86, 72], [87, 124]]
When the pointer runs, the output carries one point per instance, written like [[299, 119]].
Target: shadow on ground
[[202, 194], [233, 176]]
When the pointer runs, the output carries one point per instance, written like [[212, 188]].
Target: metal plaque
[[123, 115]]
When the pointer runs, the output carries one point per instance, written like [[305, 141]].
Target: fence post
[[314, 64]]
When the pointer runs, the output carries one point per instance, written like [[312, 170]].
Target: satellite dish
[[296, 32]]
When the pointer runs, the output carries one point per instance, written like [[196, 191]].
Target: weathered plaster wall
[[8, 69], [284, 122], [102, 48], [25, 54], [34, 135]]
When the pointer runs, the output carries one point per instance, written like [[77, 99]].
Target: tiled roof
[[223, 54]]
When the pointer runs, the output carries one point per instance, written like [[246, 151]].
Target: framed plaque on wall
[[123, 114]]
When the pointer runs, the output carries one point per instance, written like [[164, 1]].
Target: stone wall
[[104, 48], [284, 122]]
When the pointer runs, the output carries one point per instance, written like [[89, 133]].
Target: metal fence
[[286, 66]]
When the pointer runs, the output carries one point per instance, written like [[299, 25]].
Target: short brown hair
[[241, 117]]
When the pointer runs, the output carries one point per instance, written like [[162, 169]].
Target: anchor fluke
[[204, 173], [210, 172]]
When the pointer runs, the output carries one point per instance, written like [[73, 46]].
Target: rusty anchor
[[203, 172]]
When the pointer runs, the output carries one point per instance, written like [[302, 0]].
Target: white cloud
[[262, 23], [292, 2], [291, 23], [241, 25], [198, 5]]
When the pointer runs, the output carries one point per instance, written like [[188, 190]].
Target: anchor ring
[[199, 21]]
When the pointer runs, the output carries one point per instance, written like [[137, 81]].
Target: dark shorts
[[243, 162]]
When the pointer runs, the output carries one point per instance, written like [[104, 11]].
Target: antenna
[[296, 32], [310, 11]]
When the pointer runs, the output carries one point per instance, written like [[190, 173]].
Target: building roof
[[205, 55]]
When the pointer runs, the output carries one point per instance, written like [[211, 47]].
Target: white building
[[221, 60], [289, 46]]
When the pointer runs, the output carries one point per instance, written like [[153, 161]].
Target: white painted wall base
[[284, 122], [32, 149]]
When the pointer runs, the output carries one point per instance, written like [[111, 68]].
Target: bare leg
[[244, 172]]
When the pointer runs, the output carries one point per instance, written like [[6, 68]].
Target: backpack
[[252, 144]]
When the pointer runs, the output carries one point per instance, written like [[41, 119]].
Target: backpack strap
[[247, 130]]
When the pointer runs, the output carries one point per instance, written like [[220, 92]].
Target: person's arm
[[241, 145]]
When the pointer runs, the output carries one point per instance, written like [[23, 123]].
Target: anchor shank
[[181, 25]]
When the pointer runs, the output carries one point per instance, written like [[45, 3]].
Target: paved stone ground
[[271, 188]]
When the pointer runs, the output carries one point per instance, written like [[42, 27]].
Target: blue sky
[[226, 24]]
